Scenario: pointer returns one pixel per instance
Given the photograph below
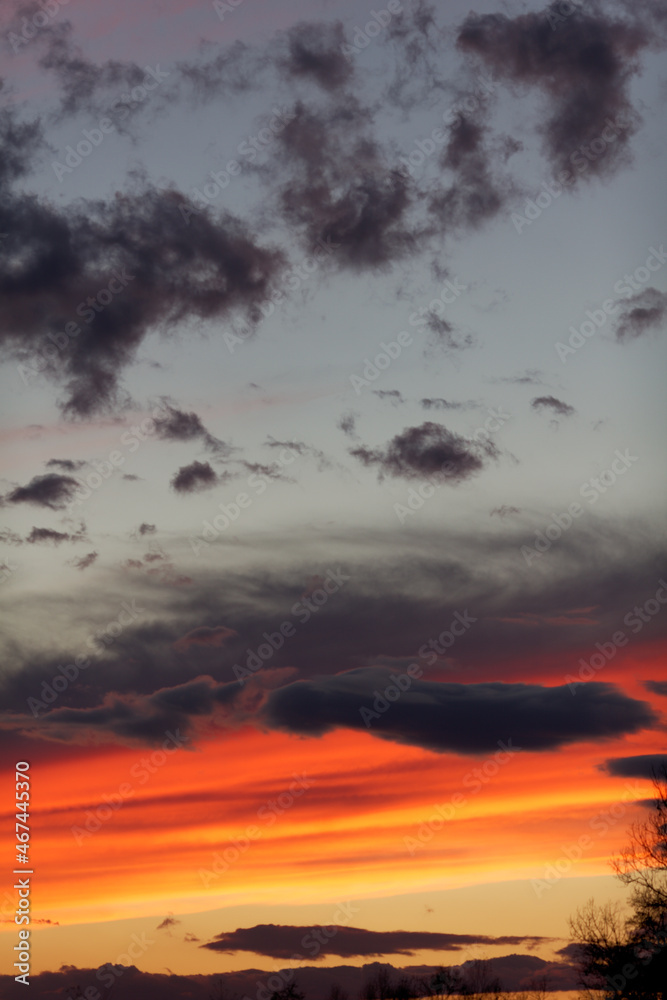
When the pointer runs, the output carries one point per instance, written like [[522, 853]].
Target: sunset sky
[[332, 559]]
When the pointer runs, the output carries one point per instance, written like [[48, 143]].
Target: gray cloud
[[458, 718]]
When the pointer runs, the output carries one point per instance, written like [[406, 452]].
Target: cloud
[[551, 403], [194, 478], [315, 54], [419, 452], [457, 718], [136, 720], [21, 143], [38, 535], [65, 464], [181, 426], [477, 193], [283, 941], [146, 529], [396, 613], [146, 259], [51, 490], [504, 511], [300, 448], [639, 766], [392, 395], [205, 636], [341, 195], [9, 537], [83, 562], [658, 687], [640, 313], [168, 922], [438, 403], [529, 377], [348, 425], [583, 68]]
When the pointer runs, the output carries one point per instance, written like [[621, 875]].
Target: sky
[[332, 550]]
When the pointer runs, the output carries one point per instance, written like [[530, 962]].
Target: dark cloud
[[315, 54], [640, 766], [136, 720], [21, 143], [51, 490], [348, 425], [194, 478], [551, 403], [392, 395], [281, 941], [169, 921], [642, 312], [430, 449], [140, 261], [178, 425], [477, 192], [401, 595], [438, 403], [457, 718], [583, 68], [83, 562], [342, 196], [39, 535], [65, 464], [657, 687], [146, 529]]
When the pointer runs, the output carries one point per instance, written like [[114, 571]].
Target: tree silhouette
[[621, 955], [291, 992]]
